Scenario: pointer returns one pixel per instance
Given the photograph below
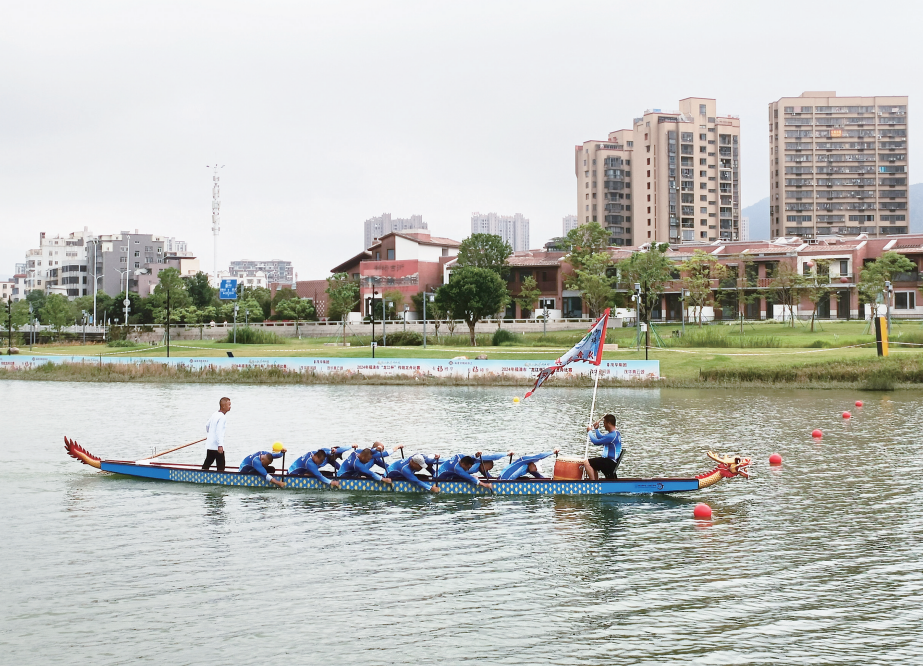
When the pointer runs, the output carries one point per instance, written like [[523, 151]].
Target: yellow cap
[[516, 399], [277, 447]]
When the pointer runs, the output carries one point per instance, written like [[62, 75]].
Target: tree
[[786, 288], [816, 287], [169, 291], [294, 309], [20, 313], [472, 294], [873, 275], [528, 295], [200, 290], [135, 303], [396, 300], [56, 312], [485, 251], [585, 241], [593, 279], [652, 269], [283, 294], [343, 295], [746, 281], [37, 298], [700, 269]]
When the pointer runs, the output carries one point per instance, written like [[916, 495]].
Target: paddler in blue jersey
[[259, 464], [611, 441], [334, 454], [459, 467], [359, 464], [526, 465], [408, 468], [309, 466], [486, 462]]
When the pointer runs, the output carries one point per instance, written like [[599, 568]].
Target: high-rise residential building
[[20, 268], [375, 228], [59, 265], [686, 182], [838, 165], [570, 222], [274, 270], [514, 229], [744, 228]]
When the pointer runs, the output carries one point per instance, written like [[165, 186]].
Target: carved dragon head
[[731, 466]]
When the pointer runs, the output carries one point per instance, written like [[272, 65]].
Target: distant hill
[[759, 214], [759, 219]]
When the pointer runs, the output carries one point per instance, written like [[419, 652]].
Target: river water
[[818, 561]]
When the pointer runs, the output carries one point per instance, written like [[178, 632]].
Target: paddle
[[175, 449]]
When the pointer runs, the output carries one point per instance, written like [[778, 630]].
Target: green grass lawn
[[790, 347]]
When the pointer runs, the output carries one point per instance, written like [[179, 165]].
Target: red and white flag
[[589, 349]]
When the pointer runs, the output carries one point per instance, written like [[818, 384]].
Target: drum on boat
[[568, 468]]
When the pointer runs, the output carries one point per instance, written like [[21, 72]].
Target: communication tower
[[216, 206]]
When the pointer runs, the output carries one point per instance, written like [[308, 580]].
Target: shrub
[[399, 338], [251, 336], [881, 379], [503, 336], [121, 342]]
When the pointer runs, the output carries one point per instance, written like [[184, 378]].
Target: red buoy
[[702, 511], [817, 433], [858, 404], [775, 459], [846, 415]]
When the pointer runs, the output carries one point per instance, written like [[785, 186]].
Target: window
[[377, 255], [703, 197], [703, 186], [546, 303], [648, 161], [137, 265], [702, 149], [523, 275], [844, 267], [390, 253], [703, 137], [702, 110], [905, 300], [703, 234]]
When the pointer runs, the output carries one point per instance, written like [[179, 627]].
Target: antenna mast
[[216, 207]]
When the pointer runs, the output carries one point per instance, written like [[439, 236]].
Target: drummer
[[526, 465], [611, 441]]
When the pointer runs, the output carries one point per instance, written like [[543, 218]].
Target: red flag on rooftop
[[589, 349]]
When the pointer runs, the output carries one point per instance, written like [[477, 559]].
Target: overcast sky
[[328, 113]]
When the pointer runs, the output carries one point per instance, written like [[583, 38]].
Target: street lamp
[[427, 296], [31, 326], [638, 312], [682, 304], [84, 326], [236, 308], [384, 317], [889, 293], [406, 312], [372, 313]]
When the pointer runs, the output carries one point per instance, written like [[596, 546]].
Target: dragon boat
[[728, 466]]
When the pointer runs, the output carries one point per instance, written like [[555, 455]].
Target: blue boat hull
[[500, 487]]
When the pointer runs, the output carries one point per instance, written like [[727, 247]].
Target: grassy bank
[[766, 354]]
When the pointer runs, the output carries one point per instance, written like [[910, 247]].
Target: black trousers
[[214, 456]]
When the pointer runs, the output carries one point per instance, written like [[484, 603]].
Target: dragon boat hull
[[173, 472]]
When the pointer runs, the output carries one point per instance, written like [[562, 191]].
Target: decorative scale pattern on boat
[[399, 486]]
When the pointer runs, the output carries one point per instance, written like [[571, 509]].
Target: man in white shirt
[[214, 440]]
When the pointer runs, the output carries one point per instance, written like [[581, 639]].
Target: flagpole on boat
[[174, 449], [586, 450]]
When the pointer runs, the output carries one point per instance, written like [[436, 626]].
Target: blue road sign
[[228, 288]]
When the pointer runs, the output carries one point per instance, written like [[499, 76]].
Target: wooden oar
[[174, 449]]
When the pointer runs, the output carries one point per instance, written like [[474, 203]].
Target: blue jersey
[[611, 443], [402, 470], [253, 465], [452, 469], [520, 466], [334, 454], [485, 457], [306, 466], [353, 467], [378, 458]]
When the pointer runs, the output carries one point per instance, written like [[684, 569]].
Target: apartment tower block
[[684, 185], [838, 165]]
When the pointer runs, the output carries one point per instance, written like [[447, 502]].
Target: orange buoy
[[775, 459], [702, 511], [858, 404], [817, 433], [846, 415]]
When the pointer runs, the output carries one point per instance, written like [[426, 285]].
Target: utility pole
[[216, 207]]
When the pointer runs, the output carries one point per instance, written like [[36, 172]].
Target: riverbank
[[855, 369]]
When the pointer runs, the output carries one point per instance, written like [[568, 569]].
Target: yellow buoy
[[277, 447], [516, 399]]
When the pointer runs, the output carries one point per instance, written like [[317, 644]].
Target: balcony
[[911, 277]]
